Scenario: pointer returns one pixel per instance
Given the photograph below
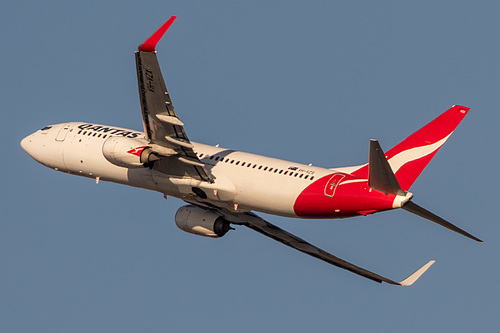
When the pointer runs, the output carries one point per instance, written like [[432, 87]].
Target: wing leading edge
[[260, 225], [162, 126]]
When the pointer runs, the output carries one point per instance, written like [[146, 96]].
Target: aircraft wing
[[163, 129], [258, 224]]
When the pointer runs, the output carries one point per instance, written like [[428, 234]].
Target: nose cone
[[35, 145], [27, 144], [43, 147]]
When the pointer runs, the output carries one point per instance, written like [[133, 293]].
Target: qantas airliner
[[222, 187]]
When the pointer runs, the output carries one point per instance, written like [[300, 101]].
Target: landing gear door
[[332, 184]]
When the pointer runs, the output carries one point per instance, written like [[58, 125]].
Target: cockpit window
[[46, 128]]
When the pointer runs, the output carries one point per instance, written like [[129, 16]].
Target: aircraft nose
[[43, 148], [27, 145]]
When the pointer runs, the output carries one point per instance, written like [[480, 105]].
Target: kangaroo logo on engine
[[136, 151]]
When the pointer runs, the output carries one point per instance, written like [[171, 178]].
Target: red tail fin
[[411, 156]]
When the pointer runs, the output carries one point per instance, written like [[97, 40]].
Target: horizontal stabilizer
[[422, 212]]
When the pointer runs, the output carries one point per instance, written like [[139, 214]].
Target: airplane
[[222, 187]]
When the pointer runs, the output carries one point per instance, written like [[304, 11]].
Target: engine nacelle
[[126, 152], [203, 222]]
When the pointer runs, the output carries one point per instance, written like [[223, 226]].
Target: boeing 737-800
[[222, 187]]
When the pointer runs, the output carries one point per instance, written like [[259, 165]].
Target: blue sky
[[307, 81]]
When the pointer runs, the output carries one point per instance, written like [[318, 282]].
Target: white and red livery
[[223, 186]]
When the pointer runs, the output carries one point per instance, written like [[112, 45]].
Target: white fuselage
[[242, 181]]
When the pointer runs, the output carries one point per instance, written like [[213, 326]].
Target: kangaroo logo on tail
[[409, 158]]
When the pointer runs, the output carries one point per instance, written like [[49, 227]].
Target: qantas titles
[[110, 130]]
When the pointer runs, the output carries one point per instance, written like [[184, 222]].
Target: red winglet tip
[[150, 44]]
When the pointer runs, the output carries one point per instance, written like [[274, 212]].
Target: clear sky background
[[307, 81]]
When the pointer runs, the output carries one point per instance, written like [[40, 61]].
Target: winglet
[[414, 277], [150, 44]]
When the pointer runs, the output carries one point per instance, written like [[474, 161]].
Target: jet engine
[[202, 222], [127, 152]]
